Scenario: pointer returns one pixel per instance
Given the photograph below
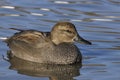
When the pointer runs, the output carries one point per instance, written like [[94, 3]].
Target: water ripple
[[10, 14], [75, 2], [7, 7], [61, 2], [37, 14]]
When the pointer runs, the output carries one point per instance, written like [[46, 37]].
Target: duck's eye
[[68, 31]]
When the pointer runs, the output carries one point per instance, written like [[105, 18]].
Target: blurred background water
[[96, 20]]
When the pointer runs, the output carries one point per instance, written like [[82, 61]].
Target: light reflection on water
[[96, 20]]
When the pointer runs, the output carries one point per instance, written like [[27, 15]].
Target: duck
[[54, 47]]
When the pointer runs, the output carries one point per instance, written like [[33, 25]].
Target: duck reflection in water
[[52, 71]]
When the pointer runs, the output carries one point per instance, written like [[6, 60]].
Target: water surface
[[96, 20]]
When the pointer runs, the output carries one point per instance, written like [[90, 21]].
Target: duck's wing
[[29, 38], [29, 44]]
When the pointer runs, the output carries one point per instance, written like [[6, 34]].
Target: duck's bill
[[81, 40]]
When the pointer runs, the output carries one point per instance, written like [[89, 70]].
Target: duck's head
[[66, 32]]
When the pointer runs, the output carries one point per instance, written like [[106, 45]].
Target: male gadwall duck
[[55, 47]]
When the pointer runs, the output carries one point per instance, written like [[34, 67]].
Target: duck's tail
[[16, 29], [6, 38]]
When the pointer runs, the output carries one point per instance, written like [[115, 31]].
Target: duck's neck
[[54, 39], [56, 42]]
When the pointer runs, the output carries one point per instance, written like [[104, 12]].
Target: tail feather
[[16, 29]]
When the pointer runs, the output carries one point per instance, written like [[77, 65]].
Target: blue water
[[96, 20]]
